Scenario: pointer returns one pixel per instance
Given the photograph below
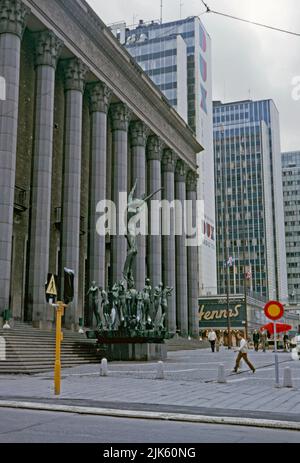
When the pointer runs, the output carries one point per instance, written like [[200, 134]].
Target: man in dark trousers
[[242, 354], [212, 337]]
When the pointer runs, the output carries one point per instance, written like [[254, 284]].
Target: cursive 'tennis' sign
[[213, 313]]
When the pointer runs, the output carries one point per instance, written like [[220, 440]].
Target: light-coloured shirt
[[243, 346], [212, 336]]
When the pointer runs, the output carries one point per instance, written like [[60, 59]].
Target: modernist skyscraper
[[249, 197], [291, 197], [177, 57]]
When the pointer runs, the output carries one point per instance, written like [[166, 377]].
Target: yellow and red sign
[[274, 310]]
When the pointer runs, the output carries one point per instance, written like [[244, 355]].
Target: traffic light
[[68, 285]]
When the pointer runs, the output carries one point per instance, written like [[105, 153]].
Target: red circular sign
[[274, 310]]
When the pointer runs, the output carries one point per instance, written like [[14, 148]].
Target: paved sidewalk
[[189, 386]]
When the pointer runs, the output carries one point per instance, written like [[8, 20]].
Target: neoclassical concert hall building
[[80, 123]]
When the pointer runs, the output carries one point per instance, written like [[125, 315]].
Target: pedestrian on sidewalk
[[242, 354], [286, 343], [264, 340], [212, 337], [256, 340]]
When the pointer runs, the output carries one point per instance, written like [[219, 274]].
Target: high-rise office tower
[[291, 198], [249, 198], [177, 57]]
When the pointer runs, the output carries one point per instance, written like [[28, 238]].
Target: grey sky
[[247, 60]]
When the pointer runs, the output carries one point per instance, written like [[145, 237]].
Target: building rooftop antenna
[[161, 11]]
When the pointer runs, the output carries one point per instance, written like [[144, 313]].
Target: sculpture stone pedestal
[[143, 352]]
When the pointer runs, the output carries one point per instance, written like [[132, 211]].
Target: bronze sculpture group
[[124, 311]]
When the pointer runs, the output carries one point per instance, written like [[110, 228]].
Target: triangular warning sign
[[51, 289]]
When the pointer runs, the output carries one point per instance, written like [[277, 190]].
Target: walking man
[[212, 337], [243, 354]]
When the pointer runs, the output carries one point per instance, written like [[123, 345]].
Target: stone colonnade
[[152, 163]]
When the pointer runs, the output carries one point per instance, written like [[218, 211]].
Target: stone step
[[30, 350]]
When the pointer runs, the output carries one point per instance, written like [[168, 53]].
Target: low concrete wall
[[136, 352]]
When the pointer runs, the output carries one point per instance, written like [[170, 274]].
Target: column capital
[[75, 73], [169, 159], [180, 171], [155, 148], [13, 17], [100, 97], [139, 134], [192, 181], [120, 116], [47, 49]]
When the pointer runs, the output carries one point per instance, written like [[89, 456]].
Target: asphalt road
[[22, 426]]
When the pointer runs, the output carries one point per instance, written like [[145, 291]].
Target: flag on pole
[[248, 274], [229, 262]]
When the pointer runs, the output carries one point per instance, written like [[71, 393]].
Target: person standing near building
[[264, 340], [256, 340], [212, 337], [242, 354], [286, 342]]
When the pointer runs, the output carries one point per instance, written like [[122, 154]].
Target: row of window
[[290, 173], [232, 118], [292, 203], [291, 183], [291, 193], [292, 234], [292, 213]]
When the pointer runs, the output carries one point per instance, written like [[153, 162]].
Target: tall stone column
[[168, 245], [100, 96], [181, 250], [75, 72], [13, 16], [154, 254], [47, 52], [139, 134], [120, 119], [192, 259]]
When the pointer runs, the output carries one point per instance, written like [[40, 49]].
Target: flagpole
[[226, 247]]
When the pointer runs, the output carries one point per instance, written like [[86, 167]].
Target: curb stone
[[232, 421]]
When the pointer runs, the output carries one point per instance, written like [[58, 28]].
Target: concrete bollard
[[221, 374], [160, 374], [103, 368], [287, 378]]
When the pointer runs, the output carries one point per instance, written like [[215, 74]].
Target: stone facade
[[81, 124]]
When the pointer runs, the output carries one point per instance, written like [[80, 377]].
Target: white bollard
[[160, 374], [287, 378], [221, 374], [104, 368]]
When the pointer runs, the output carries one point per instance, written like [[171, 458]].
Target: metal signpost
[[60, 308], [51, 296], [274, 311]]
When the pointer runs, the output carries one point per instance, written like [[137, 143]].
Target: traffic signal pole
[[60, 308]]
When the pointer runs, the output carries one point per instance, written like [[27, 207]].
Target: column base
[[43, 325]]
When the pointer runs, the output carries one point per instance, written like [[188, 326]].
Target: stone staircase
[[177, 344], [30, 350]]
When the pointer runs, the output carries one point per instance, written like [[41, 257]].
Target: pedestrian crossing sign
[[51, 287]]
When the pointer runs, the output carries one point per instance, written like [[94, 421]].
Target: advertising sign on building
[[213, 313]]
